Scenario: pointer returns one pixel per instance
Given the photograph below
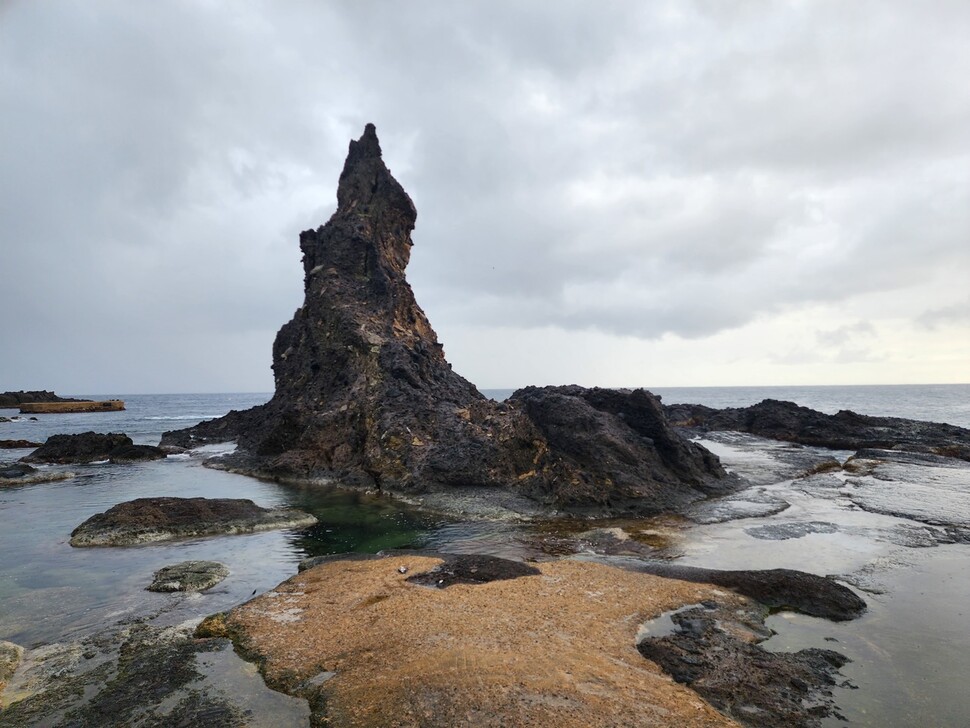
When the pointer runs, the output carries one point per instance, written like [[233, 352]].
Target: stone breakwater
[[364, 394], [36, 408], [13, 400]]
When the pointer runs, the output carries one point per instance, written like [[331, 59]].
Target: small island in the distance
[[45, 402]]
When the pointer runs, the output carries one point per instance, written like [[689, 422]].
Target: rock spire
[[365, 396]]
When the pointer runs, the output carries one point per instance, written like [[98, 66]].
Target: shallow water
[[911, 651]]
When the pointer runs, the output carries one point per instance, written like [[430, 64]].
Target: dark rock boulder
[[16, 474], [713, 650], [89, 447], [188, 576], [614, 449], [146, 520], [817, 596], [845, 430], [364, 393], [17, 444], [16, 470], [472, 569], [135, 453]]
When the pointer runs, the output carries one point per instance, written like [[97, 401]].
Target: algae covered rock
[[145, 520], [188, 576]]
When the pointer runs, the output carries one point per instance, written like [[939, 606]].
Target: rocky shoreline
[[365, 398], [845, 430], [552, 643]]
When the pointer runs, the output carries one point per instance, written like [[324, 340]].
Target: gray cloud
[[666, 169]]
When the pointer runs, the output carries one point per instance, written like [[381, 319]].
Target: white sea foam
[[215, 449]]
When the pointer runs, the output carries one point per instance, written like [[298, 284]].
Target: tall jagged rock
[[364, 393]]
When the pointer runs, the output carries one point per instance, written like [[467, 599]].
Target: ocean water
[[910, 653]]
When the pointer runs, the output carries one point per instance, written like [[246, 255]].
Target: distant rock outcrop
[[89, 447], [10, 400], [845, 430], [364, 393]]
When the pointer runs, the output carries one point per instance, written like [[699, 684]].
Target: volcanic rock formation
[[845, 430], [364, 393]]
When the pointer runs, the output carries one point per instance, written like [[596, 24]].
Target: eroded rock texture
[[364, 393], [845, 430]]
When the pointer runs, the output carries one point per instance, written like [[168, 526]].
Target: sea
[[910, 653]]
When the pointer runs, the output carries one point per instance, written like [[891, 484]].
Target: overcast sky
[[608, 193]]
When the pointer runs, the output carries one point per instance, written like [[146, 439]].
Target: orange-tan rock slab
[[556, 649]]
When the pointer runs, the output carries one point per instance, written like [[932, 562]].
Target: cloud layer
[[679, 193]]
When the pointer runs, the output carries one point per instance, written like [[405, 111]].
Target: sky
[[705, 193]]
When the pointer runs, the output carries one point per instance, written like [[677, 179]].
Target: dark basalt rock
[[472, 569], [188, 576], [817, 596], [146, 520], [845, 430], [18, 474], [16, 470], [89, 447], [364, 393], [17, 444], [713, 650], [10, 400]]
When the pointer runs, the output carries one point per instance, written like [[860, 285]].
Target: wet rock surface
[[188, 576], [364, 393], [141, 675], [929, 489], [845, 430], [817, 596], [23, 474], [795, 529], [713, 650], [90, 447], [750, 503], [146, 520]]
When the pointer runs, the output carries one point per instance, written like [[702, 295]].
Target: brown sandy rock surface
[[368, 648]]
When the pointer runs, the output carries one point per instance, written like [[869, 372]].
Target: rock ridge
[[845, 430]]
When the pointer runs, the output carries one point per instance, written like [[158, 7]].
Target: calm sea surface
[[911, 653]]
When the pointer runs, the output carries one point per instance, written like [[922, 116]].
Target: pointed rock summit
[[364, 395]]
